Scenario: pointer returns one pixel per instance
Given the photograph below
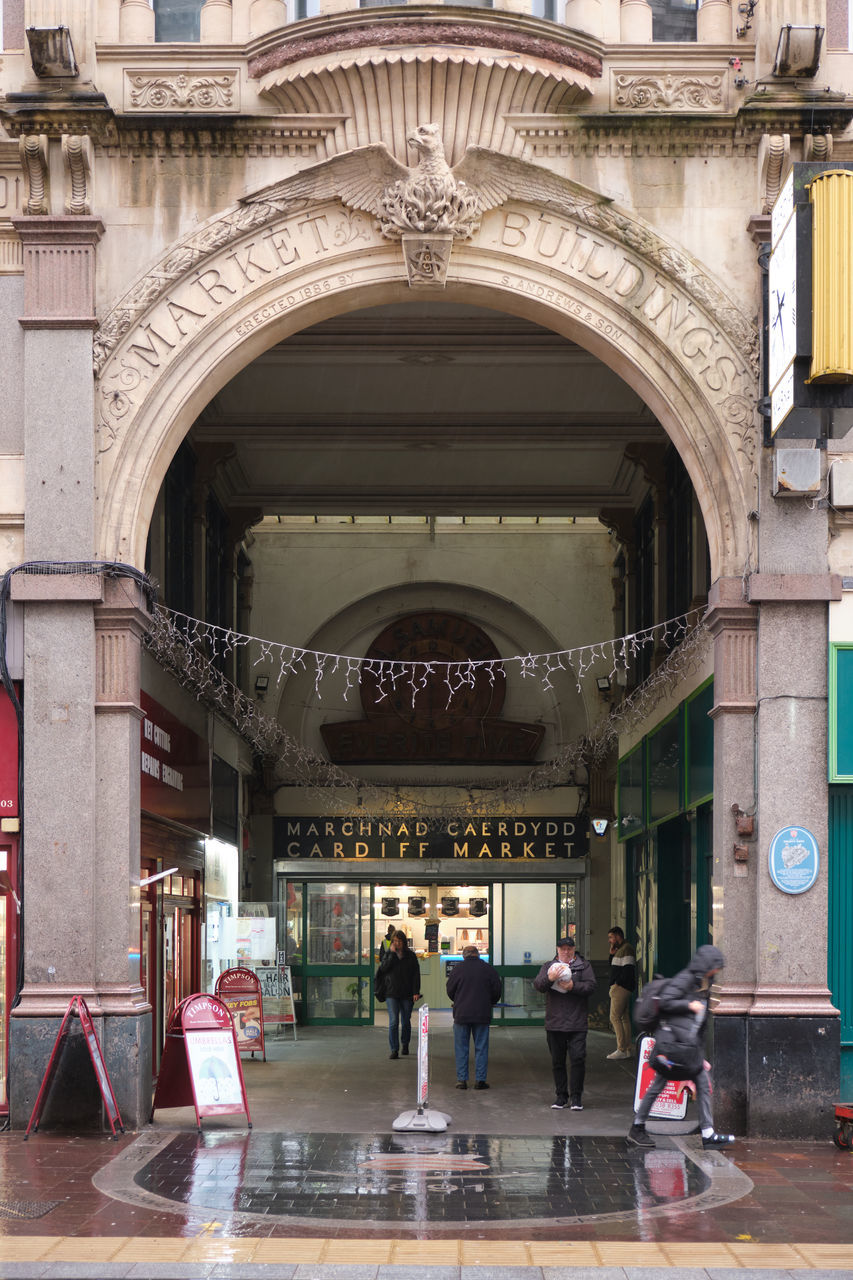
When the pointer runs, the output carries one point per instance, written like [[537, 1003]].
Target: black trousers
[[573, 1044]]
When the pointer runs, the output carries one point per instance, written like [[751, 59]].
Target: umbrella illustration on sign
[[215, 1069]]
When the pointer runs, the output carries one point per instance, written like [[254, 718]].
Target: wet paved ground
[[421, 1184], [512, 1190]]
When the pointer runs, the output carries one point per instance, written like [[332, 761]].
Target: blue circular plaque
[[794, 859]]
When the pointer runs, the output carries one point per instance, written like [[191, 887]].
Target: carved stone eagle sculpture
[[431, 197]]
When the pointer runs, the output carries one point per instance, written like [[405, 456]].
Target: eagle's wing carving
[[494, 178], [358, 178]]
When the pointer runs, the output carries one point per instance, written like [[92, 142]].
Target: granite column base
[[73, 1100], [776, 1077]]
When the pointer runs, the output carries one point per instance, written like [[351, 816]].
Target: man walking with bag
[[679, 1049]]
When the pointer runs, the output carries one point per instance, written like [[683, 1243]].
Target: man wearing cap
[[473, 986], [567, 982]]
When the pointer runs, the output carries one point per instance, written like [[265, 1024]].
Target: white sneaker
[[618, 1053]]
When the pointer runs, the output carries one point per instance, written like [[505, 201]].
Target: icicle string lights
[[611, 658], [289, 762]]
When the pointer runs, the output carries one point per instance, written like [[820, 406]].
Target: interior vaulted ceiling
[[428, 407]]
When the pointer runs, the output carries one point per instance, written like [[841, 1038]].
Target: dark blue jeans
[[399, 1011], [479, 1031]]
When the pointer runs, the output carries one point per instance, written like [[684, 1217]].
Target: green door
[[338, 965], [839, 969]]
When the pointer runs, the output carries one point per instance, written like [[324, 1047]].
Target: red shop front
[[175, 801]]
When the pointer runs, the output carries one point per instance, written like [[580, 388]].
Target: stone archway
[[256, 274]]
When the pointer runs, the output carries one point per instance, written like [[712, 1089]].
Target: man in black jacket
[[681, 1036], [567, 981], [473, 986], [403, 987]]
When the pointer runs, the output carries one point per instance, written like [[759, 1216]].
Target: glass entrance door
[[336, 985]]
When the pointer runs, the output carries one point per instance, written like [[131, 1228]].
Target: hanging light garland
[[608, 657], [195, 652]]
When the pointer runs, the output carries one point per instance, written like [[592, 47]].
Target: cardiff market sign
[[412, 839]]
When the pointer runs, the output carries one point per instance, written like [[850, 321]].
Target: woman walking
[[403, 986]]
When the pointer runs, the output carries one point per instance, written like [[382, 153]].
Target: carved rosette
[[185, 91], [673, 91]]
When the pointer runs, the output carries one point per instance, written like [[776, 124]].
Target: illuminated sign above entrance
[[467, 840]]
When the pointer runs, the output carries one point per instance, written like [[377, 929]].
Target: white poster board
[[214, 1071], [277, 991]]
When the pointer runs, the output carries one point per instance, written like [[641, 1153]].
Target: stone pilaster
[[81, 771], [120, 623], [733, 623], [774, 1026]]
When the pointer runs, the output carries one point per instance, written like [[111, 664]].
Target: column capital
[[121, 621], [59, 270], [733, 622]]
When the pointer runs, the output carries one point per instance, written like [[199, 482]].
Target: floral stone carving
[[186, 91]]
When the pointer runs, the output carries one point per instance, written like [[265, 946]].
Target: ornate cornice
[[363, 29], [215, 135]]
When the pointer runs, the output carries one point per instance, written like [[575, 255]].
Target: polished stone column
[[733, 623], [81, 718], [776, 1035]]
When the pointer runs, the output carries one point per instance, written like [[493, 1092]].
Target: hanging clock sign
[[794, 860], [782, 303]]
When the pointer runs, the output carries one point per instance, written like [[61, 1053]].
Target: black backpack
[[647, 1008]]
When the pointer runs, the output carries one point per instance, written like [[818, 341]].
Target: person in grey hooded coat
[[683, 1017]]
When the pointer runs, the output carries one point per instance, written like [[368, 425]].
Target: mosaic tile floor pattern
[[442, 1179]]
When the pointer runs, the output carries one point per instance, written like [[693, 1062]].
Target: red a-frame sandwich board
[[200, 1066], [240, 990], [78, 1005]]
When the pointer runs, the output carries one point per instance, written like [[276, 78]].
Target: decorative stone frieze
[[216, 91], [241, 136], [669, 91], [59, 271]]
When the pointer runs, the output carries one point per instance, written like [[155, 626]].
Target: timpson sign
[[483, 840]]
